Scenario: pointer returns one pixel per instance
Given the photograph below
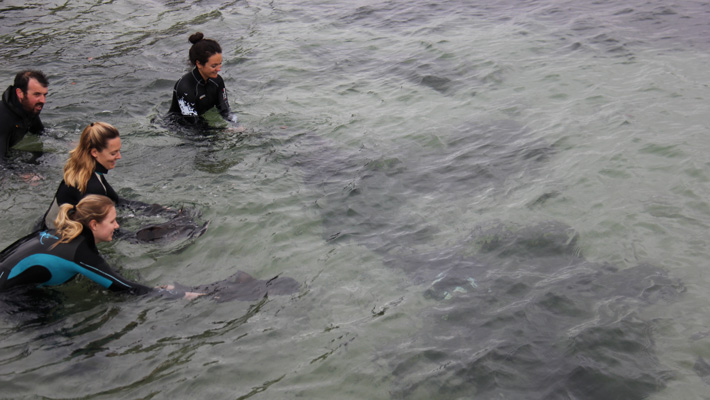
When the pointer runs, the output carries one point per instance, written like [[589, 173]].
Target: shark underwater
[[518, 311]]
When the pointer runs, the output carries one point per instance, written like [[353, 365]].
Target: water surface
[[479, 200]]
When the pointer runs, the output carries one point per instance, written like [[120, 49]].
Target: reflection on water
[[474, 200]]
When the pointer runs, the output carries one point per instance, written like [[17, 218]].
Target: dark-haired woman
[[202, 88], [53, 257]]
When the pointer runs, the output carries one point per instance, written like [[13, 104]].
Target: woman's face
[[103, 231], [211, 68], [109, 155]]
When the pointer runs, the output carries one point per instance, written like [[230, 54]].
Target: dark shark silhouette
[[522, 314]]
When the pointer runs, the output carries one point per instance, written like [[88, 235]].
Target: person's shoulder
[[7, 94], [11, 249], [6, 110], [186, 81], [64, 186], [67, 194], [219, 80]]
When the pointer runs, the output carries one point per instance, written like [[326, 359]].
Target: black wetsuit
[[193, 96], [32, 262], [15, 122], [97, 185]]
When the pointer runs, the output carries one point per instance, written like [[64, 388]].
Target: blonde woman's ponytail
[[67, 228]]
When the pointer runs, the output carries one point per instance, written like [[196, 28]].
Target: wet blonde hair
[[71, 220], [81, 164]]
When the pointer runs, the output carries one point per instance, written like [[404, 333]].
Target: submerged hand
[[236, 129], [192, 295], [186, 296], [32, 179]]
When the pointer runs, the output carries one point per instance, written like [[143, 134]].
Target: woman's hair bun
[[196, 37]]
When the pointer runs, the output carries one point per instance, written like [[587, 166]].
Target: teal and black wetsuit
[[33, 262], [193, 96]]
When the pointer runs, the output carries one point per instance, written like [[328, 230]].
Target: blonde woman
[[50, 258], [54, 257], [85, 172]]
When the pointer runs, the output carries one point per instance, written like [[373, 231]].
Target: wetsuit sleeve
[[184, 102], [124, 203], [144, 208], [109, 190], [223, 102], [95, 268]]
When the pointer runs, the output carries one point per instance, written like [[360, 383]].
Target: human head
[[31, 90], [206, 55], [93, 212], [101, 142], [202, 49]]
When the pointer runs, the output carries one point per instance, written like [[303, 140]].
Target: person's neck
[[100, 168]]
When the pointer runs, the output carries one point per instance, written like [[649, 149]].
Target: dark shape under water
[[526, 317], [242, 286], [702, 368], [520, 314], [176, 228], [182, 224], [30, 307]]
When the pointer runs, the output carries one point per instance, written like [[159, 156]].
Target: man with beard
[[20, 108]]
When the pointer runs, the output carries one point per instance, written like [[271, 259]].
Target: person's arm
[[135, 206], [223, 102], [94, 267], [139, 207], [184, 101], [122, 202]]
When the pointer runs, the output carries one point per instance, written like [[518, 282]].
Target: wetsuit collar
[[196, 74], [89, 238], [100, 168]]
